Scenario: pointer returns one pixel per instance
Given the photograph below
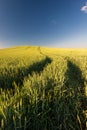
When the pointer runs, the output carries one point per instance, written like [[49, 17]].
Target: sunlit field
[[43, 88]]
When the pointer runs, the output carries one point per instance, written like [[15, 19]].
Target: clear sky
[[52, 23]]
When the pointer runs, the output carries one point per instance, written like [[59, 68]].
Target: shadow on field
[[36, 67], [61, 108], [75, 98], [18, 76]]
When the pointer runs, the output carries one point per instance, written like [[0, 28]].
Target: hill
[[43, 88]]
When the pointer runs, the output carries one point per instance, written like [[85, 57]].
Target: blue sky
[[52, 23]]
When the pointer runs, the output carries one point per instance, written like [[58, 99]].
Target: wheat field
[[43, 88]]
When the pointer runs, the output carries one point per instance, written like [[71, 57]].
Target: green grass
[[43, 88]]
